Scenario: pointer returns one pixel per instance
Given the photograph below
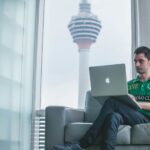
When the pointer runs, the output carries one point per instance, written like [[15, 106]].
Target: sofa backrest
[[93, 106]]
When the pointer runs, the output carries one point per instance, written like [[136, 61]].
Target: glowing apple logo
[[107, 80]]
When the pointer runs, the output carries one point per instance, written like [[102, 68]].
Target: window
[[61, 55], [16, 72]]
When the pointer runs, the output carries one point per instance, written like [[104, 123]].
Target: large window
[[61, 56], [17, 51]]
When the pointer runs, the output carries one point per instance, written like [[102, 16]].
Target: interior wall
[[140, 25], [144, 22]]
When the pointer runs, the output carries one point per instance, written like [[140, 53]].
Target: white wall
[[140, 25]]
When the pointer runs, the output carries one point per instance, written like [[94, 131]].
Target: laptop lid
[[109, 80]]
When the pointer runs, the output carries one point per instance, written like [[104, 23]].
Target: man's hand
[[144, 105]]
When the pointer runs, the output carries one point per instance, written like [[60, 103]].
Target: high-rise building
[[84, 29]]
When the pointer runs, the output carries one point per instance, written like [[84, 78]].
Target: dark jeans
[[112, 114]]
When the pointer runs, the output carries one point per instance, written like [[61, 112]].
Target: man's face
[[142, 64]]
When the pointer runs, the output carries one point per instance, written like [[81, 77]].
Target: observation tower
[[84, 28]]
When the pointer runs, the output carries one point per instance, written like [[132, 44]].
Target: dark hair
[[144, 50]]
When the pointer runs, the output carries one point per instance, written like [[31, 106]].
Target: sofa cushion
[[123, 147], [124, 134], [75, 131], [140, 134]]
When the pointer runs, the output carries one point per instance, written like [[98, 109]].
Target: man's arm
[[134, 99], [143, 105]]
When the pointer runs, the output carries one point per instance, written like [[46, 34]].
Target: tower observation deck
[[84, 28]]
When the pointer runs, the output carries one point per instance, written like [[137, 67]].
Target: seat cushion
[[75, 131], [123, 147], [124, 134], [140, 134]]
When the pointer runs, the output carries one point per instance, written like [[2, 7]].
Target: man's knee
[[114, 118]]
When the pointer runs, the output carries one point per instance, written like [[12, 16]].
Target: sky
[[61, 56]]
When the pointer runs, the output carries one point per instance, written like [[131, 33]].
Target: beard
[[140, 70]]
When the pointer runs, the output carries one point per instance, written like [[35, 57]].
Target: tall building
[[84, 29]]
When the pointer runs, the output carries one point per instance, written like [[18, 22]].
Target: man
[[115, 113]]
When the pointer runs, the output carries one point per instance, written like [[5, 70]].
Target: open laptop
[[110, 80]]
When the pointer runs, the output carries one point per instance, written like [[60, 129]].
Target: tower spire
[[84, 1], [85, 7]]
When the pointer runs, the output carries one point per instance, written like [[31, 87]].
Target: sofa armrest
[[56, 119]]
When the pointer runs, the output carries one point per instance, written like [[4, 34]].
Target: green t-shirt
[[141, 91]]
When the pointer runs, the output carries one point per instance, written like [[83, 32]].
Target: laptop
[[110, 80]]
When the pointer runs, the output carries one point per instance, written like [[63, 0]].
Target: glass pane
[[17, 42], [61, 55]]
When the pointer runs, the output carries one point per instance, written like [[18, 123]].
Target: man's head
[[142, 60]]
